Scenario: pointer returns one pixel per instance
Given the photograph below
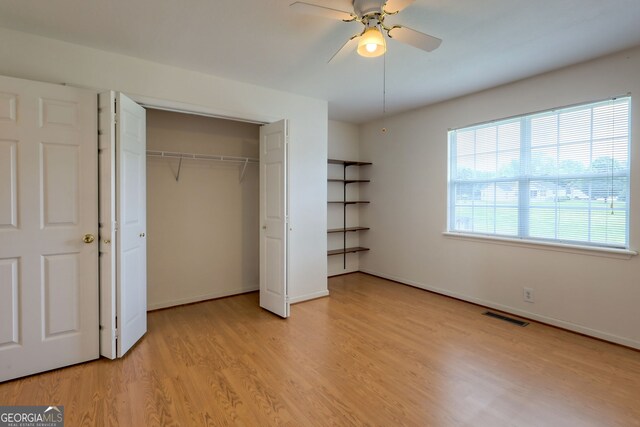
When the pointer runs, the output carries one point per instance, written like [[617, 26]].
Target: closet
[[136, 208], [202, 208]]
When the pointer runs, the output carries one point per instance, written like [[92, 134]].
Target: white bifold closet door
[[274, 218], [48, 227], [123, 250]]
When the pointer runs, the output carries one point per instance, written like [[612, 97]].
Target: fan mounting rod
[[363, 8]]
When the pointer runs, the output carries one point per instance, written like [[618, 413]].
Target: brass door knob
[[88, 238]]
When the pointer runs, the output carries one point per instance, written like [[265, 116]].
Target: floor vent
[[505, 318]]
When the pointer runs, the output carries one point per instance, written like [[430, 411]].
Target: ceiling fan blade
[[414, 38], [395, 6], [346, 48], [325, 12]]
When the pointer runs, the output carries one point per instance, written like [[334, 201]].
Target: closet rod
[[192, 156], [211, 157]]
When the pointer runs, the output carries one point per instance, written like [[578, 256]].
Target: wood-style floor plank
[[373, 353]]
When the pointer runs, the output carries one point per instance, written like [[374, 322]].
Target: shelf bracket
[[244, 169], [179, 167]]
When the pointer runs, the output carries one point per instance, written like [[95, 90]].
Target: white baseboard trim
[[515, 311], [198, 298], [343, 272], [308, 297]]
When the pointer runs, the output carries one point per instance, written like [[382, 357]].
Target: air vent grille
[[505, 318]]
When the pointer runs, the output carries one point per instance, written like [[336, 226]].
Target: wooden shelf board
[[346, 250], [347, 162], [348, 202], [348, 181], [343, 230]]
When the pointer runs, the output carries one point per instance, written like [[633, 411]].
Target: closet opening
[[203, 207]]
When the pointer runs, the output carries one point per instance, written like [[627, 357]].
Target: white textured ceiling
[[485, 43]]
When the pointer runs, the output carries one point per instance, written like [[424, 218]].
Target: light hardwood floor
[[373, 353]]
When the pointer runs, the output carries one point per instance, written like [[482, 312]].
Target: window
[[560, 175]]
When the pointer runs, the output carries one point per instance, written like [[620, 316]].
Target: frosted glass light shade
[[372, 43]]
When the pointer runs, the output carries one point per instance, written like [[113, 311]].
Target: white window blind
[[560, 175]]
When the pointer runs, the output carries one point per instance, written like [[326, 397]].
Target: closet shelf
[[345, 230], [244, 161], [193, 156], [346, 250]]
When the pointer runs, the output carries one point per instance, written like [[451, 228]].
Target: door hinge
[[115, 226]]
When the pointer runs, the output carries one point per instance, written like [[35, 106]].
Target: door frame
[[200, 110], [108, 309]]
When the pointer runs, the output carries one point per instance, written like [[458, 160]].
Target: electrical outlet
[[527, 295]]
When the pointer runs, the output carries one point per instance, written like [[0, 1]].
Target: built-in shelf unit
[[344, 202]]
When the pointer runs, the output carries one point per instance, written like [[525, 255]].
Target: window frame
[[525, 179]]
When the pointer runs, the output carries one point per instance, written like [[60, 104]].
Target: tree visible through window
[[560, 175]]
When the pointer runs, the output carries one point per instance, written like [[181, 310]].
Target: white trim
[[515, 311], [308, 297], [200, 110], [204, 297], [546, 110], [548, 246], [343, 272]]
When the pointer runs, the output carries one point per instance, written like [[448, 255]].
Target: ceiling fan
[[371, 13]]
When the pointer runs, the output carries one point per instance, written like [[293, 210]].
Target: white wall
[[344, 141], [37, 58], [595, 295], [202, 229]]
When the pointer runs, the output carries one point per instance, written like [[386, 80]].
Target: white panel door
[[48, 226], [273, 216], [131, 213], [107, 222]]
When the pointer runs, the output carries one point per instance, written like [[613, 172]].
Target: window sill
[[548, 246]]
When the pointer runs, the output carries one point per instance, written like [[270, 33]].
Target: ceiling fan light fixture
[[372, 43]]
